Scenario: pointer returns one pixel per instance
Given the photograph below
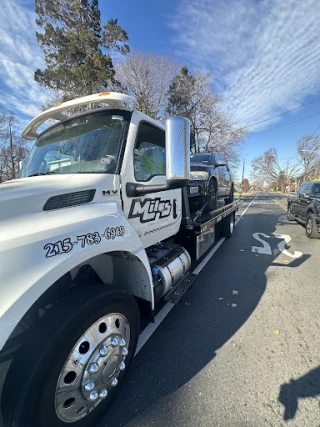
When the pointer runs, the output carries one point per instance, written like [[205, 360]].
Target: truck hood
[[29, 195]]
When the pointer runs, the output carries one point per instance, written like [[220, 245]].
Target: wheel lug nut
[[122, 366], [93, 368], [103, 393], [114, 342], [114, 382], [103, 351], [94, 395], [89, 386], [122, 342], [124, 351]]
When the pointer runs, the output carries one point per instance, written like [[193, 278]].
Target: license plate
[[194, 190]]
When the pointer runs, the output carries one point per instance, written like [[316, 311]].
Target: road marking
[[151, 328], [266, 250], [249, 205], [264, 203], [285, 240], [281, 205]]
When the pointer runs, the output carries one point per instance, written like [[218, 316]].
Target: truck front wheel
[[311, 227], [212, 196], [231, 196], [71, 368]]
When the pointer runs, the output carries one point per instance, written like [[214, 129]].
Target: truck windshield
[[86, 144], [200, 158], [316, 189]]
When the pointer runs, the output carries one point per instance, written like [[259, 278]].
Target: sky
[[264, 56]]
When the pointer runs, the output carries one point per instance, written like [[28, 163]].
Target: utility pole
[[244, 161]]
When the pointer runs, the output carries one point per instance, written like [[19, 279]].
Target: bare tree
[[258, 184], [13, 149], [267, 168], [147, 77], [224, 137], [308, 155]]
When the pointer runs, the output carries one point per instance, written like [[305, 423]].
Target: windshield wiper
[[41, 173]]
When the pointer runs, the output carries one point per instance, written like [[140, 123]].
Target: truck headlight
[[199, 176]]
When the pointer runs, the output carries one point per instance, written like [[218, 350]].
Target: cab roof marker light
[[113, 99]]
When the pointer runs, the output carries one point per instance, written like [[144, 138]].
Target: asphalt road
[[242, 348]]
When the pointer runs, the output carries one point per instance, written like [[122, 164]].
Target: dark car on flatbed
[[304, 207], [210, 180]]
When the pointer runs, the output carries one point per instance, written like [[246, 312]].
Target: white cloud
[[20, 56], [265, 56]]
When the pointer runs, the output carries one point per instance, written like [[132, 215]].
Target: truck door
[[220, 172], [156, 215], [226, 176], [305, 200], [297, 205]]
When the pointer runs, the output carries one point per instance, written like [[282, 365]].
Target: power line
[[315, 131], [290, 123], [281, 114]]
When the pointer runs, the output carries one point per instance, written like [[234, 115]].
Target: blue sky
[[264, 56]]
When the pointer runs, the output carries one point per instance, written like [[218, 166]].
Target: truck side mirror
[[220, 163], [177, 151], [177, 159]]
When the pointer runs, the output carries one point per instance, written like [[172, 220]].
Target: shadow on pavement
[[306, 386], [222, 299]]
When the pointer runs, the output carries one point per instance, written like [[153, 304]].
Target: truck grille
[[69, 199]]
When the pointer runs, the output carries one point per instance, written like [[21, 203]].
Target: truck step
[[177, 292]]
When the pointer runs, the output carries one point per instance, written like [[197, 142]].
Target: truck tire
[[231, 196], [212, 195], [227, 226], [311, 227], [68, 373], [290, 217]]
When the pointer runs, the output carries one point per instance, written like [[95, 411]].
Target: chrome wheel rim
[[92, 367], [309, 226], [232, 224]]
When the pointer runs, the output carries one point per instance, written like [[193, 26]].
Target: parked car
[[304, 207], [210, 180]]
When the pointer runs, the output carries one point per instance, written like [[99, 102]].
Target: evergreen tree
[[180, 93], [77, 46], [188, 97]]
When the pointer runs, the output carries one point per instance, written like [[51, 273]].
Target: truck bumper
[[197, 188]]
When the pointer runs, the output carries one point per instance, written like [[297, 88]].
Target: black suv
[[304, 207], [210, 180]]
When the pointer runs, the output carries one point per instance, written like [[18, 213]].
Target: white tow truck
[[95, 231]]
